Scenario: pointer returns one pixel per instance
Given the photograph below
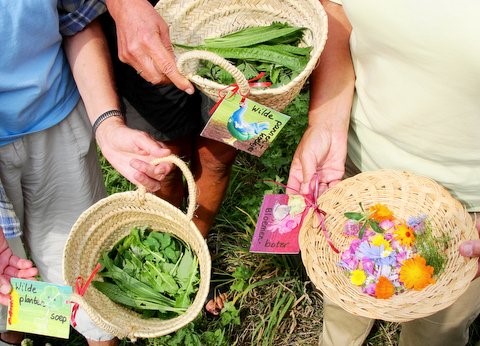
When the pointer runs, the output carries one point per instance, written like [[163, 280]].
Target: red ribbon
[[81, 288], [252, 83], [318, 214]]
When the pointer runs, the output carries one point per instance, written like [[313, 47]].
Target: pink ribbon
[[318, 214]]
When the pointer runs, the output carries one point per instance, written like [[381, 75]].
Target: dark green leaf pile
[[271, 49], [153, 273]]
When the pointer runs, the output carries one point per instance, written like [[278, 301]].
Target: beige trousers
[[446, 327]]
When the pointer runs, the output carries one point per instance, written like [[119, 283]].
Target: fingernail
[[190, 91], [467, 249]]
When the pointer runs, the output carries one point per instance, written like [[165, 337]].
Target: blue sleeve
[[75, 15]]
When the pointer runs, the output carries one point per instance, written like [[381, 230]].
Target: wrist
[[104, 116]]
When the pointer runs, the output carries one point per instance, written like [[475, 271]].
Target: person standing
[[397, 88], [57, 95]]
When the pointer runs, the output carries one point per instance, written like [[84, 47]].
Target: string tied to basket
[[311, 204], [252, 83], [80, 288], [318, 214]]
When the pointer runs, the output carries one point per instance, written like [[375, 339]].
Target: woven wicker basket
[[101, 226], [191, 21], [406, 195]]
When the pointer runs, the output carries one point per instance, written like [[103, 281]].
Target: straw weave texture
[[101, 226], [407, 195], [191, 21]]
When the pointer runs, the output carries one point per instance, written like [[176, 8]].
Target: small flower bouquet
[[388, 255], [384, 245]]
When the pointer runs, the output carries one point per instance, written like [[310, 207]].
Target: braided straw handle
[[240, 79], [192, 187]]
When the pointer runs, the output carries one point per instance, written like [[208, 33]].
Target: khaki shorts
[[51, 177]]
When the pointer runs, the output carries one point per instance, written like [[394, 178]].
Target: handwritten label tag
[[278, 224], [244, 124], [39, 308]]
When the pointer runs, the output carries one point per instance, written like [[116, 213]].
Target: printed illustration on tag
[[278, 224], [244, 124]]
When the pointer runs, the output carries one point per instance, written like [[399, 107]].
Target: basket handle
[[192, 187], [240, 79]]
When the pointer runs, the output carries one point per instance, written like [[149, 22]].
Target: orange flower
[[380, 212], [416, 274], [404, 234], [384, 288]]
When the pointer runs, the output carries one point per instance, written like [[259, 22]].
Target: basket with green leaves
[[220, 43], [154, 264]]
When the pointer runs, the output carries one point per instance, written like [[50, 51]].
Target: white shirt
[[417, 102]]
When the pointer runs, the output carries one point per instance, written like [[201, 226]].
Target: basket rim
[[317, 48], [334, 283], [109, 220]]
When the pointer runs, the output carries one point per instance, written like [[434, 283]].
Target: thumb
[[470, 248]]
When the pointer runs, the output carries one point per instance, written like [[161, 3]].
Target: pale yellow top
[[417, 103]]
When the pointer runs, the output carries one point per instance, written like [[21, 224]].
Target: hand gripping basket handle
[[192, 188], [240, 79]]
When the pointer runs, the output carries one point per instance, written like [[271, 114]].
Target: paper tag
[[39, 308], [244, 124], [278, 224]]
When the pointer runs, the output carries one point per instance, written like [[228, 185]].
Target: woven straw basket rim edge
[[320, 260], [106, 222], [277, 97]]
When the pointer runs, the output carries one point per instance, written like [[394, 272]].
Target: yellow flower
[[416, 274], [404, 234], [358, 277], [380, 212], [384, 288], [379, 239]]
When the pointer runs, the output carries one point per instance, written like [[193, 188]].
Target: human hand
[[12, 266], [130, 152], [144, 42], [320, 151], [471, 248]]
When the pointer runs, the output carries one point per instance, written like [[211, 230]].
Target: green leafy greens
[[153, 273], [272, 49]]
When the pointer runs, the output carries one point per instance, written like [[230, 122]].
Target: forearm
[[334, 79], [88, 55]]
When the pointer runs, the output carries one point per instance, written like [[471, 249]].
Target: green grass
[[271, 301]]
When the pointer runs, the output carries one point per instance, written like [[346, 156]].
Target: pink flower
[[386, 224], [368, 265], [349, 260], [370, 289], [351, 228]]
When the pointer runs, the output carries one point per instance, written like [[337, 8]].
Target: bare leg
[[210, 164], [211, 167]]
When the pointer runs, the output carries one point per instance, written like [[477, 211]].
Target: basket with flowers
[[397, 235]]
